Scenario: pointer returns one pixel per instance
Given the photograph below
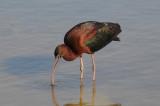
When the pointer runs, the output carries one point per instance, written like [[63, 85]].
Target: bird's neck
[[69, 54]]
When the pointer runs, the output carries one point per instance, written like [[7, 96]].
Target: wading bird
[[87, 37]]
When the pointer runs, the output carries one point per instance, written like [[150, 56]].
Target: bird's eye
[[56, 52]]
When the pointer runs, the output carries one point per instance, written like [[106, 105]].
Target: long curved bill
[[54, 68]]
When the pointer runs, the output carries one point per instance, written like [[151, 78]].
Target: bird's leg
[[81, 68], [94, 68], [53, 97]]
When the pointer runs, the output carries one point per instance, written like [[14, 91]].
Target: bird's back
[[91, 36]]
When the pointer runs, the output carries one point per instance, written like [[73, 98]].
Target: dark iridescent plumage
[[91, 34]]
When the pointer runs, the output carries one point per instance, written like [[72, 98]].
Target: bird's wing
[[89, 37], [103, 36], [78, 35]]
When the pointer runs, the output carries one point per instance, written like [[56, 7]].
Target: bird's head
[[58, 53]]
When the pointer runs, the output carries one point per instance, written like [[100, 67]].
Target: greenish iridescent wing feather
[[104, 36], [97, 42]]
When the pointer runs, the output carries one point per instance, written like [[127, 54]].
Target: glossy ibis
[[87, 37]]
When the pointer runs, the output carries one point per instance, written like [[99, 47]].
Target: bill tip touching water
[[86, 37]]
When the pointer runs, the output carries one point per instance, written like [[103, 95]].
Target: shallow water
[[127, 72]]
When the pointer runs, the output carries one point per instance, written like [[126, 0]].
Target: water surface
[[127, 72]]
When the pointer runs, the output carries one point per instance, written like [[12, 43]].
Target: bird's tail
[[113, 28]]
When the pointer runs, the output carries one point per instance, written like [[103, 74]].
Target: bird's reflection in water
[[53, 97], [81, 103]]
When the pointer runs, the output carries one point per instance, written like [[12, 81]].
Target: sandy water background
[[127, 72]]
